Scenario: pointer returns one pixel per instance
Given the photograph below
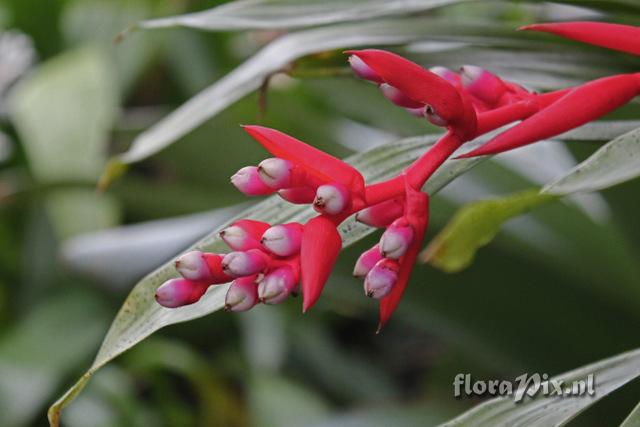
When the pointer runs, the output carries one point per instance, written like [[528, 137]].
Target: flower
[[270, 262]]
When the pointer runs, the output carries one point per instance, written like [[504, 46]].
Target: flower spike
[[321, 244], [579, 106], [414, 81], [624, 38], [324, 166], [417, 215]]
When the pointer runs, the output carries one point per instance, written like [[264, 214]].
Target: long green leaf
[[278, 14], [274, 57], [474, 226], [140, 315], [615, 162], [540, 411], [633, 419]]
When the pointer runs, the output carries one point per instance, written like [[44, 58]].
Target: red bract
[[579, 106], [321, 244], [624, 38], [267, 261]]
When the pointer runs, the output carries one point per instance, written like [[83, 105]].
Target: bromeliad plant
[[269, 260]]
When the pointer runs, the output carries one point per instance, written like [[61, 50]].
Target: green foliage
[[474, 226]]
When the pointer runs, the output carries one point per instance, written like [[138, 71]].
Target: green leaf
[[271, 59], [474, 226], [615, 162], [279, 14], [633, 419], [63, 113], [33, 359], [540, 411], [140, 315]]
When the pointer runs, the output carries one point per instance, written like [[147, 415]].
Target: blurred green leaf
[[42, 348], [280, 14], [276, 401], [63, 113], [273, 58], [140, 315], [474, 226], [541, 411], [615, 162]]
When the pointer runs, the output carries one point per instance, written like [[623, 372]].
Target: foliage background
[[554, 291]]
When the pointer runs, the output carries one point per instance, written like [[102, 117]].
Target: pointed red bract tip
[[415, 82], [320, 164], [321, 244], [624, 38], [579, 106], [417, 214]]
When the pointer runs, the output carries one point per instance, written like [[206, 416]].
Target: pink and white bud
[[396, 239], [481, 83], [382, 214], [363, 71], [447, 74], [397, 97], [193, 266], [298, 195], [242, 294], [248, 181], [366, 261], [433, 117], [283, 239], [237, 264], [178, 292], [381, 279], [331, 199], [277, 285], [276, 173], [244, 234], [416, 112]]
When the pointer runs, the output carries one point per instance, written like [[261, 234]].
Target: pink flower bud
[[363, 71], [366, 261], [192, 266], [381, 279], [382, 214], [242, 294], [244, 234], [277, 285], [283, 239], [298, 195], [279, 173], [238, 264], [247, 180], [201, 267], [481, 83], [331, 199], [398, 98], [178, 292], [396, 239], [450, 76], [416, 112]]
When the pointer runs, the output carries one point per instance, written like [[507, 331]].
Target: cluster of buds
[[268, 261]]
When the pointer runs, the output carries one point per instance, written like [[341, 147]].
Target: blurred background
[[558, 288]]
